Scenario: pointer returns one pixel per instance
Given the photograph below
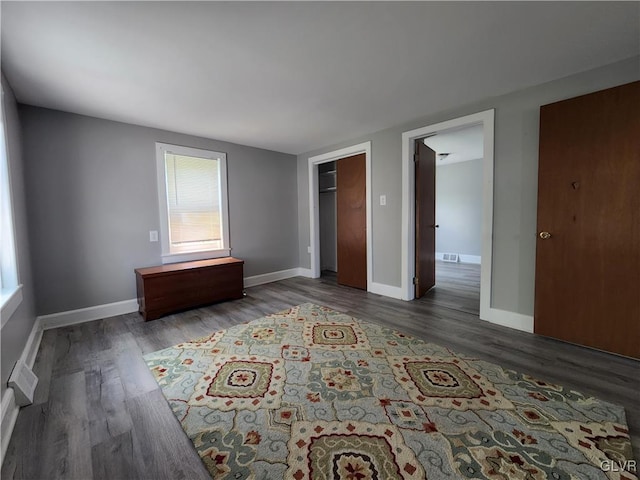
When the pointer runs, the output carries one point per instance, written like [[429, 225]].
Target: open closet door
[[351, 206]]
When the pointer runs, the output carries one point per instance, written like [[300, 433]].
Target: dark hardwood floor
[[457, 287], [98, 412]]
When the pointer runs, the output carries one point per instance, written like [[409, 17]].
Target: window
[[10, 290], [192, 191]]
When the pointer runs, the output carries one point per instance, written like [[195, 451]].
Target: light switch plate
[[153, 235], [383, 199]]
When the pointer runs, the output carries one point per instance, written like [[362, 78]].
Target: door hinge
[[415, 157], [415, 280]]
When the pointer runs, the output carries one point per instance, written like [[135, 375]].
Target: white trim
[[305, 272], [270, 277], [9, 416], [33, 344], [386, 290], [464, 258], [167, 255], [9, 274], [72, 317], [10, 302], [9, 407], [314, 220], [192, 256], [511, 319], [475, 259], [485, 118], [81, 315]]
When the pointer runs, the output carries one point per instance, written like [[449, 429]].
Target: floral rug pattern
[[310, 393]]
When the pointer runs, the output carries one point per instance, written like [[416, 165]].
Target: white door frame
[[486, 119], [314, 200]]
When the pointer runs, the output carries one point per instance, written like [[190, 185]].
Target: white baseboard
[[385, 290], [505, 318], [304, 272], [275, 276], [9, 416], [476, 259], [9, 407], [33, 344], [72, 317], [270, 277], [464, 258]]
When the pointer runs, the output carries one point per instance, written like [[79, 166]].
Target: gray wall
[[515, 182], [92, 199], [17, 329], [459, 208]]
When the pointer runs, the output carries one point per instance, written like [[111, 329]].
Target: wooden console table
[[180, 286]]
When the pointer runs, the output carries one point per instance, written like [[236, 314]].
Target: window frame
[[10, 287], [167, 255]]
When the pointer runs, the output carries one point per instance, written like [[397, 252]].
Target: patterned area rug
[[311, 393]]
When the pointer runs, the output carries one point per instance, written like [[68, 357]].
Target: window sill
[[187, 257], [10, 300]]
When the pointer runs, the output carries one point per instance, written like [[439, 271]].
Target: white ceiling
[[462, 145], [294, 76]]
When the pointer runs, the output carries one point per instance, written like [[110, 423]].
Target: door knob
[[436, 226], [545, 235]]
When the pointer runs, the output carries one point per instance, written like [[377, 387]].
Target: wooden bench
[[181, 286]]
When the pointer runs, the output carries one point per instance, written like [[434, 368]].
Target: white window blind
[[192, 189], [193, 200]]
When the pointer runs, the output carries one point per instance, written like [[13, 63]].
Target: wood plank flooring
[[457, 287], [98, 412]]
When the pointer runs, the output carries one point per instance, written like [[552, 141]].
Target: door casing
[[314, 202], [486, 119]]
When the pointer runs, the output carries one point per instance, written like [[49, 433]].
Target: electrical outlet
[[383, 199], [153, 235], [309, 249]]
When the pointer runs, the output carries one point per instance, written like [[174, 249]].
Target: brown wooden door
[[425, 174], [588, 246], [351, 206]]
